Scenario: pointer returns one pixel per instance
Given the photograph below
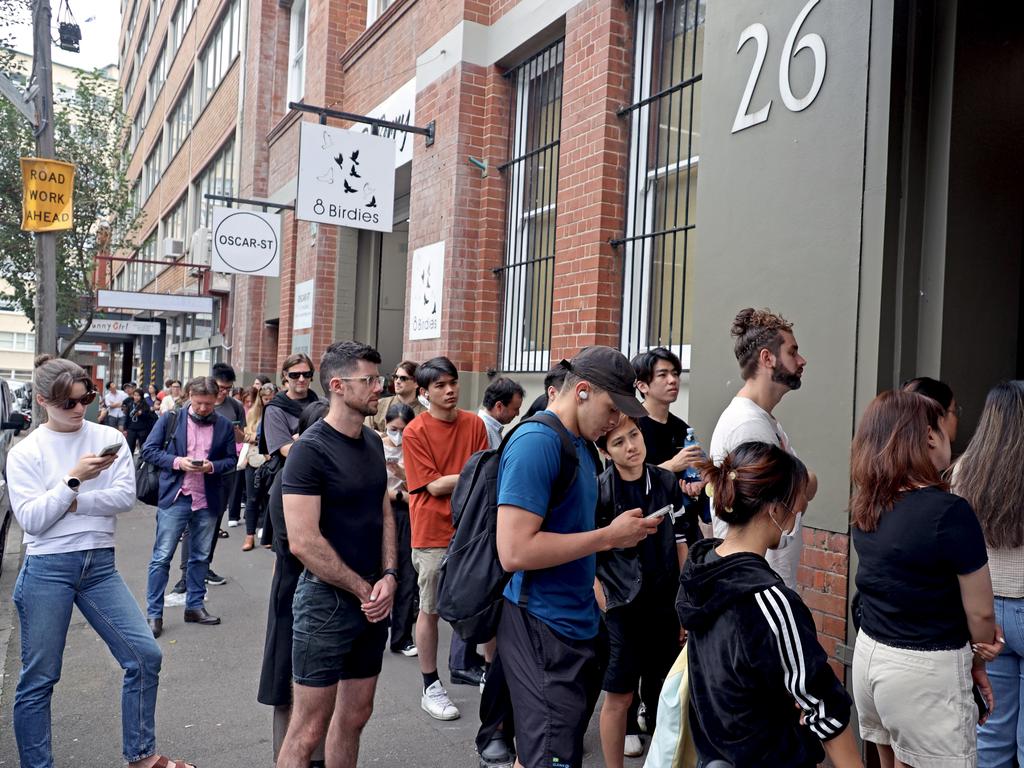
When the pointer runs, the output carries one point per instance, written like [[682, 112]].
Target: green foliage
[[88, 129]]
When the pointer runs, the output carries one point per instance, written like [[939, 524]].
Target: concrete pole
[[46, 242]]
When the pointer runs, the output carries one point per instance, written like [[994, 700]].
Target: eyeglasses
[[958, 410], [400, 378], [296, 375], [225, 387], [367, 380], [85, 400]]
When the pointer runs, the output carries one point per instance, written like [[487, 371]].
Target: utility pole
[[46, 242]]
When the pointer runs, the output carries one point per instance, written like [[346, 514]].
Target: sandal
[[164, 762]]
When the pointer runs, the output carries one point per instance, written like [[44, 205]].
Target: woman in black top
[[139, 422], [925, 591], [762, 692]]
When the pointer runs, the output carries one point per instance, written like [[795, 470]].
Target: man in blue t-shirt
[[548, 627]]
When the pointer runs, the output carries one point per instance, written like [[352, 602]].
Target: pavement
[[207, 710]]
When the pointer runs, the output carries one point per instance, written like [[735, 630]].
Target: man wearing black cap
[[548, 627]]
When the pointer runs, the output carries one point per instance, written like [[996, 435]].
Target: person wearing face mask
[[761, 688], [771, 365], [927, 608], [403, 614]]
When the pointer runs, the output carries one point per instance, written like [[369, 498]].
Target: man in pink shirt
[[193, 463]]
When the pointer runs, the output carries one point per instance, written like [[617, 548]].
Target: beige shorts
[[427, 563], [918, 702]]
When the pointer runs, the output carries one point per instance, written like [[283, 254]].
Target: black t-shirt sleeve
[[685, 526], [304, 470], [960, 539]]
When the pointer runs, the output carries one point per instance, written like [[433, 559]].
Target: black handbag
[[147, 476]]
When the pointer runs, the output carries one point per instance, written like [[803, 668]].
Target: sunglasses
[[296, 375], [400, 377], [85, 400], [367, 380]]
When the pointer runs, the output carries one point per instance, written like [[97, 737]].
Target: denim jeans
[[170, 523], [47, 587], [1001, 738]]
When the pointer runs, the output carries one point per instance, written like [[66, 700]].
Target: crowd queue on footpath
[[598, 557]]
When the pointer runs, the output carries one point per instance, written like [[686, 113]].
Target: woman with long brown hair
[[926, 595], [989, 476], [254, 505]]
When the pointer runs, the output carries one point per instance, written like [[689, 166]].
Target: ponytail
[[751, 477]]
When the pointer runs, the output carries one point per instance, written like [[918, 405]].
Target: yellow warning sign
[[47, 187]]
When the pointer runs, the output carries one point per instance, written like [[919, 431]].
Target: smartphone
[[196, 462], [110, 450], [660, 513], [980, 701]]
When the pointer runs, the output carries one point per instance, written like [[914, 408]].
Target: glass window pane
[[672, 258]]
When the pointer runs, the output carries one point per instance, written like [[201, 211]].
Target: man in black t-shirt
[[340, 525]]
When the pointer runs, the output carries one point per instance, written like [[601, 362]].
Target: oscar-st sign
[[345, 178], [246, 242]]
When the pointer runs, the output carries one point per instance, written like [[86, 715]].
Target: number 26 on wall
[[759, 33]]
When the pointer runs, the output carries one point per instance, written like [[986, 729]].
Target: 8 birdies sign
[[345, 178], [246, 242]]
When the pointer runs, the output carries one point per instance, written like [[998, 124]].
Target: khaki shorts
[[918, 702], [427, 563]]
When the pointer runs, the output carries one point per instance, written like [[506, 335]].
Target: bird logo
[[327, 177], [348, 188]]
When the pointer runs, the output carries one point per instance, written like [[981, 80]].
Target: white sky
[[100, 22]]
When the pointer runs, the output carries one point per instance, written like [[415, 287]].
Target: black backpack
[[147, 476], [471, 582]]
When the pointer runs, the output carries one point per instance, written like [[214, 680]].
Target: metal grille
[[531, 177], [659, 237]]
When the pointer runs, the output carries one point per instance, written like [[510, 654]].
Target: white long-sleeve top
[[36, 468]]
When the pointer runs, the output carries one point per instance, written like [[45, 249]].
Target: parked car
[[12, 422]]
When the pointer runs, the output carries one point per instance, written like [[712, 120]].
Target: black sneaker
[[179, 588], [214, 579]]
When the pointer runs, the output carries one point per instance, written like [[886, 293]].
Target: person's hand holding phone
[[983, 695], [191, 465], [90, 466]]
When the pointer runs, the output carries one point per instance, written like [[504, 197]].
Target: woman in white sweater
[[68, 480]]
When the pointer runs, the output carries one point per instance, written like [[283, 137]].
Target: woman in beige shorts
[[926, 594]]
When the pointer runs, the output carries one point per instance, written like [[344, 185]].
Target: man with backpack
[[549, 620]]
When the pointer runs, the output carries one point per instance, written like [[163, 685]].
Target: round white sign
[[245, 241]]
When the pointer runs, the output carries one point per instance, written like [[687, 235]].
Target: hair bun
[[744, 319], [43, 359]]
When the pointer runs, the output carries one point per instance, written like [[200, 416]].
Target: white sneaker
[[435, 702], [634, 747], [641, 717], [232, 523], [410, 650], [174, 599], [483, 682], [259, 534]]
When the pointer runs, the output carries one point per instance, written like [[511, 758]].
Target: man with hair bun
[[771, 366]]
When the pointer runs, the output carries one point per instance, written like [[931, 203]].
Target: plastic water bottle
[[691, 474]]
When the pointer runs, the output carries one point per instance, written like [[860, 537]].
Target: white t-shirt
[[744, 421], [113, 402], [40, 499]]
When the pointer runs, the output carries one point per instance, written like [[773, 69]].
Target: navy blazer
[[222, 455]]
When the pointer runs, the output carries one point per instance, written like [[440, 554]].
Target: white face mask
[[395, 436], [787, 539]]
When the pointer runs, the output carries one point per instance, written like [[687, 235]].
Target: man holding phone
[[200, 454]]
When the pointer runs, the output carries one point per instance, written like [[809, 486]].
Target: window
[[220, 51], [297, 51], [138, 123], [156, 81], [218, 178], [145, 273], [179, 22], [151, 170], [12, 341], [532, 184], [659, 243], [179, 124], [375, 9], [175, 225]]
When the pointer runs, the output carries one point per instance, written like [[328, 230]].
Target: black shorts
[[643, 641], [331, 637], [553, 681]]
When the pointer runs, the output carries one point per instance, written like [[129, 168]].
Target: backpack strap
[[172, 424]]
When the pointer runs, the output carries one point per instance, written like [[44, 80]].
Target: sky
[[100, 22]]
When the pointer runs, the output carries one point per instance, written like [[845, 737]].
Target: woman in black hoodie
[[761, 690]]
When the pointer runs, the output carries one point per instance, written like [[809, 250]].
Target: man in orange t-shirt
[[437, 445]]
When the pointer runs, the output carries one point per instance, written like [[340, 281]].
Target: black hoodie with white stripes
[[756, 667]]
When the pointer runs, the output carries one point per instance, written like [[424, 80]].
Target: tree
[[89, 127]]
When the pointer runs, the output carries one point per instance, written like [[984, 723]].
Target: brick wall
[[822, 579]]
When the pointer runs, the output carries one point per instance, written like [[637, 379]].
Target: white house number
[[759, 33]]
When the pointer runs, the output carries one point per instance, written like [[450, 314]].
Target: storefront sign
[[427, 294], [345, 178], [399, 107], [126, 327], [47, 187], [246, 242], [303, 316]]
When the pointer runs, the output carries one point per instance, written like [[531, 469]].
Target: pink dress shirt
[[199, 439]]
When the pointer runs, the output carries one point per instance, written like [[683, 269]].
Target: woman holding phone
[[68, 480], [140, 421]]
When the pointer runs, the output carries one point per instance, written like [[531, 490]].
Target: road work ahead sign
[[47, 187]]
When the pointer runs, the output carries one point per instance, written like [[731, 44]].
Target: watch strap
[[390, 572]]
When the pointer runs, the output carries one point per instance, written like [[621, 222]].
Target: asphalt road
[[207, 710]]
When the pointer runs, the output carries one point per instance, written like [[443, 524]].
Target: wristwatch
[[390, 572], [72, 482]]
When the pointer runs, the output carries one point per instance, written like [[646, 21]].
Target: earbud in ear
[[584, 394]]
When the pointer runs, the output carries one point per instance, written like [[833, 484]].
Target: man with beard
[[771, 366]]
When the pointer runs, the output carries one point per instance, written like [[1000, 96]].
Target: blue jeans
[[1001, 739], [47, 587], [170, 523]]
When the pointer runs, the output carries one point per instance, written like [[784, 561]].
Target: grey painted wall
[[779, 224]]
